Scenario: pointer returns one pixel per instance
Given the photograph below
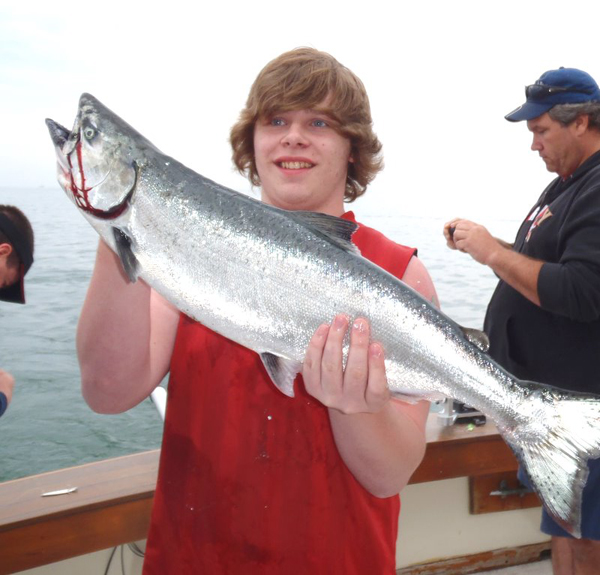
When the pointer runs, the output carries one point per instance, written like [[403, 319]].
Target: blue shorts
[[590, 520]]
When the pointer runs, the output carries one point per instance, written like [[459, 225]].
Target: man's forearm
[[518, 271]]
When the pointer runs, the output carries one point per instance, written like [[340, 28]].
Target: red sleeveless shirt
[[250, 481]]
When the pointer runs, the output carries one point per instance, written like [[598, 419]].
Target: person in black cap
[[16, 253], [543, 320], [16, 257]]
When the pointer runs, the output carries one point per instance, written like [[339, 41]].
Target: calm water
[[48, 425]]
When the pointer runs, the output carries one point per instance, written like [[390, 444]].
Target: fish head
[[98, 160]]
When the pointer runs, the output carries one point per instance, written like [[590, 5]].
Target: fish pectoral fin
[[282, 371], [336, 230], [477, 337], [128, 260]]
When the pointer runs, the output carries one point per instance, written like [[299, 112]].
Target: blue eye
[[318, 123], [277, 122]]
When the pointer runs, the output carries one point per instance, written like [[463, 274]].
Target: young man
[[16, 257], [544, 317], [252, 481]]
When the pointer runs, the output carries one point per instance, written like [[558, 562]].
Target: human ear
[[5, 250], [582, 123]]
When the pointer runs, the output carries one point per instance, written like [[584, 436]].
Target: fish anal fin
[[129, 262], [406, 397], [282, 372], [477, 337]]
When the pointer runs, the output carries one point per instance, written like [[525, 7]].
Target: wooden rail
[[111, 506], [112, 503], [459, 451]]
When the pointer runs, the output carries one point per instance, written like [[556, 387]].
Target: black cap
[[16, 292]]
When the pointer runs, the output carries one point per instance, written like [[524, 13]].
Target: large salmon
[[267, 278]]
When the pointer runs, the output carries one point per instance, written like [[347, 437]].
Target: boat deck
[[112, 503]]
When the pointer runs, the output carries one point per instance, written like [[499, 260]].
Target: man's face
[[557, 145], [302, 161], [8, 274]]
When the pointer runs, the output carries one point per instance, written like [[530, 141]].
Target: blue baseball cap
[[562, 86]]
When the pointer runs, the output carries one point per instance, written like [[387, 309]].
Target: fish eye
[[89, 133]]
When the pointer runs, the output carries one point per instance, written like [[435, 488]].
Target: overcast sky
[[440, 75]]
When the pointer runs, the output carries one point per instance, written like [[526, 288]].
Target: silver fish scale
[[268, 281]]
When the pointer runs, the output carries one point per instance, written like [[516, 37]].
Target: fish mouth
[[60, 136], [58, 133], [65, 145]]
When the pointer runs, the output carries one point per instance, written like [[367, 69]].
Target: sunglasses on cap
[[536, 91]]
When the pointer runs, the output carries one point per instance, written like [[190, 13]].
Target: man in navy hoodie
[[543, 320]]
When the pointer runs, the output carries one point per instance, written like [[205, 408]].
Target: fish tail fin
[[554, 447]]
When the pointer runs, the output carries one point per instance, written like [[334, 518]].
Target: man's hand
[[518, 271], [472, 239], [7, 383], [359, 388]]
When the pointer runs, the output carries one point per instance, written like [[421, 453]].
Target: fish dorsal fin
[[282, 371], [477, 337], [337, 230], [128, 260]]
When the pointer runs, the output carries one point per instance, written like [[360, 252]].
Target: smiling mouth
[[295, 165]]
